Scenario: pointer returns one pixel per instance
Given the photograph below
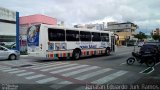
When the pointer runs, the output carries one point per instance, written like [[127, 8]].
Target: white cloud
[[142, 12]]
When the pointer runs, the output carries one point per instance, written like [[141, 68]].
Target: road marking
[[61, 84], [16, 63], [4, 68], [9, 70], [109, 77], [143, 71], [80, 71], [67, 69], [35, 76], [58, 67], [24, 74], [81, 88], [40, 67], [149, 68], [123, 63], [157, 63], [86, 76], [18, 71], [46, 80], [121, 54]]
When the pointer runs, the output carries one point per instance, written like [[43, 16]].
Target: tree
[[140, 36], [156, 37]]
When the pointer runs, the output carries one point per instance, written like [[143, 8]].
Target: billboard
[[9, 27], [7, 14]]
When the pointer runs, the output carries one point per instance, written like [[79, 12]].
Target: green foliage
[[156, 37], [140, 36]]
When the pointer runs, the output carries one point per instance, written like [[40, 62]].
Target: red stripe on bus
[[92, 52], [51, 55], [58, 54], [84, 53], [64, 54], [103, 51], [70, 54]]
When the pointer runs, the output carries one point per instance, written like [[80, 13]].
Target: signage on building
[[7, 14]]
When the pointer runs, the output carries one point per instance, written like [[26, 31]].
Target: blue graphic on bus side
[[88, 46], [51, 46], [33, 35]]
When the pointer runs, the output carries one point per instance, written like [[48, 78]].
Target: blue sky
[[144, 13]]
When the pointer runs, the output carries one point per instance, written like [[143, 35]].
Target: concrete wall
[[7, 25], [7, 29]]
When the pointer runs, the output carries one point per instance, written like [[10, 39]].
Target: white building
[[125, 31], [91, 26], [121, 27], [7, 25]]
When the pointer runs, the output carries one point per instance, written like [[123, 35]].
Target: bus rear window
[[56, 34], [105, 37]]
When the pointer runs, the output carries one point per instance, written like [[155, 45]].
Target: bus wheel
[[76, 54], [107, 52]]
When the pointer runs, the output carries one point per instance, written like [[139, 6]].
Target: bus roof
[[76, 29]]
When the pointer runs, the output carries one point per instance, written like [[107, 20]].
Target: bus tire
[[107, 52], [76, 55]]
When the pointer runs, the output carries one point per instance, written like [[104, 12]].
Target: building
[[91, 26], [8, 26], [27, 21], [156, 32], [37, 19], [124, 31]]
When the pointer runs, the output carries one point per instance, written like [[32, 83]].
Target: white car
[[140, 44], [6, 53]]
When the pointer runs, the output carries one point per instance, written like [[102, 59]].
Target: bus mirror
[[40, 46]]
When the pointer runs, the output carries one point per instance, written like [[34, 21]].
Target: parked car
[[6, 53], [131, 43], [151, 49], [154, 43]]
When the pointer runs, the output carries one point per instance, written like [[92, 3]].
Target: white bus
[[58, 42]]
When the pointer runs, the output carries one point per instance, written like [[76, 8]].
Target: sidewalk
[[24, 56]]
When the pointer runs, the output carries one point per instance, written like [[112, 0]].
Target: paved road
[[32, 73]]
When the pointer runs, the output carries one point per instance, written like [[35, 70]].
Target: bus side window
[[85, 36], [105, 37], [56, 34], [72, 35], [96, 36]]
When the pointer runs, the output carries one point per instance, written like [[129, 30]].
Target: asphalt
[[116, 61], [151, 81]]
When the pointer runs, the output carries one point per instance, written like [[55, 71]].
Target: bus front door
[[113, 43]]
